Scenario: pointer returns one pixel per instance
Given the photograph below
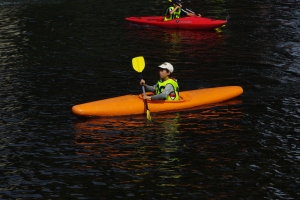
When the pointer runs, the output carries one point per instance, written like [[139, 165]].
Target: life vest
[[160, 86], [175, 15]]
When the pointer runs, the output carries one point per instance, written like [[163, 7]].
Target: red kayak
[[194, 22]]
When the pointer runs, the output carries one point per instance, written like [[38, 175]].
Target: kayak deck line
[[134, 104]]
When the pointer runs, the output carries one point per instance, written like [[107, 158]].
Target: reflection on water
[[188, 42], [161, 155]]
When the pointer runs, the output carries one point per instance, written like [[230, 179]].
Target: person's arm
[[186, 12], [189, 12], [174, 10], [150, 88], [168, 89]]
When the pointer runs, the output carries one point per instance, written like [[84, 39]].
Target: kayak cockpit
[[182, 98]]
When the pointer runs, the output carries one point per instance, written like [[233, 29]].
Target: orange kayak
[[134, 104]]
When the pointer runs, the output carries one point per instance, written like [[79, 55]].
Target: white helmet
[[167, 66]]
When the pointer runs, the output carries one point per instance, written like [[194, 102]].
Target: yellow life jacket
[[160, 86], [175, 15]]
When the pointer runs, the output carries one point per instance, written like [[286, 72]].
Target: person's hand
[[142, 82], [147, 97], [199, 15], [178, 6]]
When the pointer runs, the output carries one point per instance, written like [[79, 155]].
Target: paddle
[[138, 64]]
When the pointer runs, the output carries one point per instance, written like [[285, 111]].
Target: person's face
[[163, 73]]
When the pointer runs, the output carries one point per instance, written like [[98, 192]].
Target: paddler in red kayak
[[166, 88], [174, 11]]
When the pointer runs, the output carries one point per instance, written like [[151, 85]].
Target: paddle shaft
[[189, 11], [145, 100]]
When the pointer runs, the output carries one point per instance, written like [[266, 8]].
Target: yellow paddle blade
[[148, 115], [138, 63]]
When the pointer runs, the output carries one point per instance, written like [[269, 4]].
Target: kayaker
[[174, 11], [166, 88]]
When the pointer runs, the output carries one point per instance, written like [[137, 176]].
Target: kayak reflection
[[159, 150], [132, 124], [184, 36], [191, 42], [137, 127]]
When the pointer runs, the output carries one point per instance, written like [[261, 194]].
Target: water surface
[[55, 54]]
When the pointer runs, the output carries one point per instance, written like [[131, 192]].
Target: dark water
[[55, 54]]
